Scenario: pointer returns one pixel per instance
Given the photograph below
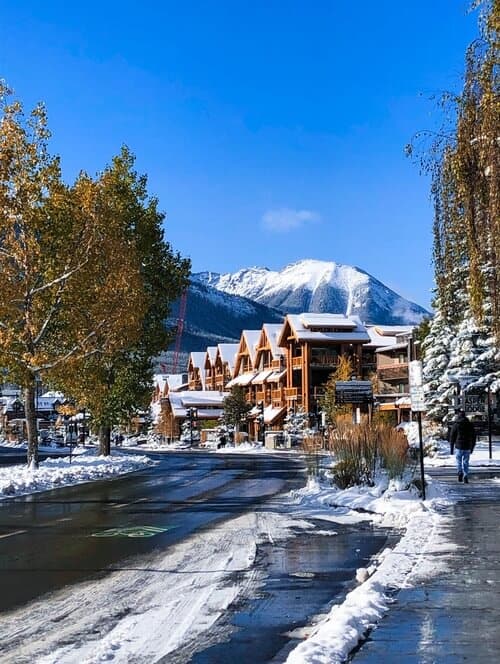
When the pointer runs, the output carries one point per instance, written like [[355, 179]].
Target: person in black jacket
[[463, 441]]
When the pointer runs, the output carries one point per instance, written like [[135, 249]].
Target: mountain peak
[[318, 286]]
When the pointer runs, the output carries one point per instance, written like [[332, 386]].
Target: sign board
[[415, 373], [417, 399], [353, 391]]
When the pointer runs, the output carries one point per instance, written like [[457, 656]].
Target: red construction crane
[[180, 327]]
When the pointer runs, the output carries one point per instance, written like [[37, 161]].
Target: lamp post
[[192, 413], [17, 407], [83, 426], [490, 447], [262, 424]]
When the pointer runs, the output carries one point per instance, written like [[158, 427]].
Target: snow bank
[[53, 473]]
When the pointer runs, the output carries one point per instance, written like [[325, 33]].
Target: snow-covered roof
[[242, 379], [273, 331], [261, 377], [209, 403], [311, 320], [378, 340], [392, 330], [173, 381], [227, 354], [197, 359], [384, 349], [276, 376], [211, 353], [271, 414], [251, 340], [334, 327]]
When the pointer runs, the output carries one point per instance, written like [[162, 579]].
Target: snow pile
[[245, 447], [54, 473], [388, 504]]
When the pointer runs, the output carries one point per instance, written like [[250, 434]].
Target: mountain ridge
[[318, 286]]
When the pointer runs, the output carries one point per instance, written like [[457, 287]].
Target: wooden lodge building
[[284, 367]]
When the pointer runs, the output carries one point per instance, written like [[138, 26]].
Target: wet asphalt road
[[10, 456], [50, 539], [56, 538]]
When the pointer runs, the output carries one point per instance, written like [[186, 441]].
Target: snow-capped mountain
[[214, 317], [320, 287]]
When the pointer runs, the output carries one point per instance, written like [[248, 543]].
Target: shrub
[[394, 451], [358, 448]]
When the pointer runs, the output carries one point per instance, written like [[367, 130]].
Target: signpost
[[418, 406], [353, 391], [356, 393]]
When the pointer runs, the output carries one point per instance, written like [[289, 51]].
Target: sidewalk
[[454, 616]]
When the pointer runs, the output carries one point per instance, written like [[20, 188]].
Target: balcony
[[330, 361], [278, 395], [296, 362], [393, 372], [291, 392]]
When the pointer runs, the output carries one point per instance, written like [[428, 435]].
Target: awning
[[243, 379], [276, 376], [272, 414], [261, 377]]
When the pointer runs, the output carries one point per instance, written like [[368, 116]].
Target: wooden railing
[[296, 362], [393, 372], [324, 361]]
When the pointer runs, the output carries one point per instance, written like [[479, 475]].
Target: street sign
[[417, 399], [415, 373]]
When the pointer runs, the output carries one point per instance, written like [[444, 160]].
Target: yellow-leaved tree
[[72, 285]]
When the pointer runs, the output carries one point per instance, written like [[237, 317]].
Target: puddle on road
[[303, 578]]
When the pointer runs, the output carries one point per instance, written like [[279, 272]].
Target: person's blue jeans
[[462, 457]]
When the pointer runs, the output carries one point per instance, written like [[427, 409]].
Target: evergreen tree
[[236, 407], [463, 162], [436, 349]]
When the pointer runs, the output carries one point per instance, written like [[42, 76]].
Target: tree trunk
[[31, 424], [104, 440]]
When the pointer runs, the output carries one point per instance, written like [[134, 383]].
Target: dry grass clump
[[312, 445], [359, 448], [394, 451]]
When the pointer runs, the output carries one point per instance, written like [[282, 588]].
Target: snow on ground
[[57, 472], [148, 611], [333, 638], [145, 611]]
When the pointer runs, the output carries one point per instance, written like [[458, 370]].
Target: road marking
[[16, 532], [134, 531], [134, 502]]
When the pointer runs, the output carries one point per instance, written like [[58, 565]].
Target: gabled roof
[[197, 359], [227, 353], [323, 328], [272, 332], [209, 403], [251, 339], [173, 381], [211, 354]]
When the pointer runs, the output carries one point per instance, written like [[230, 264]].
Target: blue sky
[[270, 131]]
